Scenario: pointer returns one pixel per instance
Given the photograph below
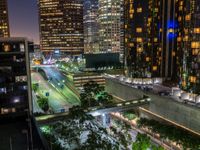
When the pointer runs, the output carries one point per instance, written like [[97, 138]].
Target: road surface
[[56, 100], [58, 80]]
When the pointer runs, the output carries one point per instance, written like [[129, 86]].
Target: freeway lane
[[56, 100], [61, 84]]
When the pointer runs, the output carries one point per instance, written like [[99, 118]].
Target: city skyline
[[99, 74]]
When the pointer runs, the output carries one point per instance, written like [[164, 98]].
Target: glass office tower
[[91, 26], [110, 20], [61, 26]]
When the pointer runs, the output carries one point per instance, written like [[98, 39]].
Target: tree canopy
[[94, 95]]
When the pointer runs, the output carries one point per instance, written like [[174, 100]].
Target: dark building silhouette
[[17, 129]]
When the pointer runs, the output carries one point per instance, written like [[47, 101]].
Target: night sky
[[23, 19]]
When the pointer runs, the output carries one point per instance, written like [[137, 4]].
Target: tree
[[35, 87], [93, 88], [87, 100], [174, 134], [80, 131], [77, 112], [142, 142], [104, 98], [93, 95], [43, 103]]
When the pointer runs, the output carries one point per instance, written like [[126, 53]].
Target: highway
[[56, 100], [58, 80]]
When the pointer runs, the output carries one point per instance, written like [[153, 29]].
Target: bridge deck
[[95, 111]]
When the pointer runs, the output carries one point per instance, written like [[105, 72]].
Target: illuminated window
[[7, 48], [156, 10], [197, 30], [131, 44], [139, 10], [195, 51], [195, 45], [171, 30], [22, 48], [193, 79], [131, 11], [180, 8], [185, 38], [139, 40], [173, 53], [155, 68], [147, 59], [138, 30], [179, 39], [179, 18], [187, 17], [139, 49]]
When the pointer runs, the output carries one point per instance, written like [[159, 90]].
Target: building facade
[[150, 38], [61, 26], [15, 92], [91, 26], [169, 27], [143, 38], [15, 76], [188, 45], [4, 23], [110, 21]]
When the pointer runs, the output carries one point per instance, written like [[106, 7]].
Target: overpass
[[96, 111], [119, 107]]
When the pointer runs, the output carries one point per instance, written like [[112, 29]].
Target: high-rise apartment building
[[4, 23], [142, 38], [150, 38], [91, 26], [61, 26], [15, 75], [188, 44], [15, 93], [110, 20]]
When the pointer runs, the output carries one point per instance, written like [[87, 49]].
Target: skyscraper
[[188, 45], [110, 25], [4, 23], [61, 26], [15, 75], [142, 38], [91, 27], [15, 92], [150, 38]]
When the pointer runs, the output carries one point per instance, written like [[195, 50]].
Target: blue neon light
[[172, 24]]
